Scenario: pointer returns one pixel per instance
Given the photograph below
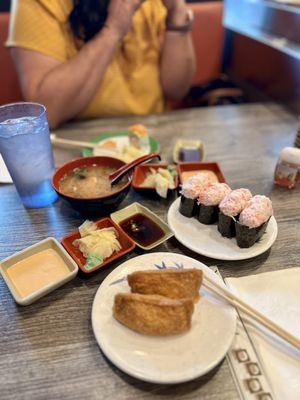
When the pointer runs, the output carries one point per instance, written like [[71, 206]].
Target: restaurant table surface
[[48, 350]]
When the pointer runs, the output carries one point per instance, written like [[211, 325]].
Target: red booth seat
[[9, 86], [208, 38]]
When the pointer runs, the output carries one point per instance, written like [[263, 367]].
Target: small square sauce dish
[[144, 227], [37, 270], [188, 151], [126, 243], [186, 170], [143, 171]]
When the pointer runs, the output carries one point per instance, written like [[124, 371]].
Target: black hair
[[88, 17]]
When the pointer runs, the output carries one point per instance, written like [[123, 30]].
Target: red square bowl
[[199, 166], [140, 174], [127, 246]]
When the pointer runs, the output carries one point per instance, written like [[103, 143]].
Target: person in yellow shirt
[[93, 58]]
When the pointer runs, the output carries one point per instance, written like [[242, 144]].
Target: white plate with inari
[[207, 241], [167, 359]]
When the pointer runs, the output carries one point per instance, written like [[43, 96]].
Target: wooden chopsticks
[[235, 301]]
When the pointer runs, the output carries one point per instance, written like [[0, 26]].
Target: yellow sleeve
[[160, 21], [34, 26], [161, 15]]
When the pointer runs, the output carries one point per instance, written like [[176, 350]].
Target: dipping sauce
[[37, 271], [142, 229], [189, 154], [187, 174], [89, 182]]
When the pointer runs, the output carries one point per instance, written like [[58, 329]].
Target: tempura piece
[[153, 314], [176, 284]]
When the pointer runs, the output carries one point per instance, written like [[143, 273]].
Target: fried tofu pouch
[[176, 284], [153, 315]]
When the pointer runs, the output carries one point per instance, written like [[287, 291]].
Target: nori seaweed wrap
[[226, 225], [209, 201], [190, 190], [230, 208], [247, 237], [187, 206], [208, 215], [253, 221]]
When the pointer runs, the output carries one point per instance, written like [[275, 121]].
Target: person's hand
[[176, 11], [120, 14]]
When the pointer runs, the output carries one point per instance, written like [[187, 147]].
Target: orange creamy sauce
[[37, 271], [187, 174]]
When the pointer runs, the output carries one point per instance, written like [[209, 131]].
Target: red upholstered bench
[[9, 85], [208, 38]]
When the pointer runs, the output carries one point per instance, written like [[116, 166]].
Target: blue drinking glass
[[26, 149]]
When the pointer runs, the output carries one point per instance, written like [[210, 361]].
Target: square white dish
[[136, 208], [49, 243]]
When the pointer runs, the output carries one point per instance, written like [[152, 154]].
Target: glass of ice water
[[26, 149]]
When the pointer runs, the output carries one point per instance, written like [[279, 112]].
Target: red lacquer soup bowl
[[98, 206]]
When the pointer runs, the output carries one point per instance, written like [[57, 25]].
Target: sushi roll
[[138, 136], [253, 221], [190, 191], [209, 201], [230, 208]]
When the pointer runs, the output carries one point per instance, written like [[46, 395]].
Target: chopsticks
[[81, 144], [72, 143], [235, 301]]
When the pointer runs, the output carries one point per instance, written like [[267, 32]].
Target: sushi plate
[[119, 139], [207, 241], [168, 359]]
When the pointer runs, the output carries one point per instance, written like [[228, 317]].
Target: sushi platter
[[207, 241]]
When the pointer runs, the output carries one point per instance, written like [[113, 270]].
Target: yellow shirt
[[131, 84]]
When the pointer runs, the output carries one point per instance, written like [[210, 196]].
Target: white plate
[[172, 359], [206, 240], [4, 174]]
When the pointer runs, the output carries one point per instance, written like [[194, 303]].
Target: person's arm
[[66, 88], [178, 63]]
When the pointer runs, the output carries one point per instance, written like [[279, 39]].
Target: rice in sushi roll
[[190, 190], [253, 221], [230, 208], [209, 201]]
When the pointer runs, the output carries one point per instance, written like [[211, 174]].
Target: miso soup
[[89, 182]]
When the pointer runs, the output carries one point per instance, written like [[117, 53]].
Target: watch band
[[182, 28]]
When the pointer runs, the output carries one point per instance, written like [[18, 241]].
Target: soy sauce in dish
[[189, 154], [142, 229]]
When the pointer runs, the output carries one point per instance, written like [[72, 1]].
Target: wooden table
[[48, 350]]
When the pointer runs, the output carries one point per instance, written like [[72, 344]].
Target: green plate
[[154, 146]]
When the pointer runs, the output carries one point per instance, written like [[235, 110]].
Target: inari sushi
[[209, 201], [230, 208], [253, 221], [190, 191]]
